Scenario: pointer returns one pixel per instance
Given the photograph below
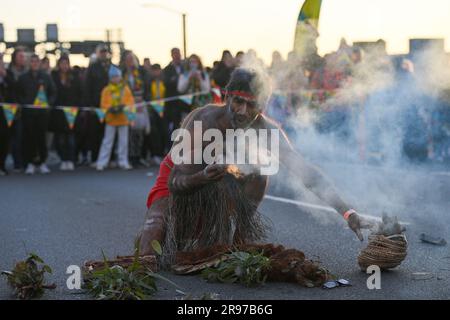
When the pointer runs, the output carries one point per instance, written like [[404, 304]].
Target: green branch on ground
[[28, 277], [135, 282]]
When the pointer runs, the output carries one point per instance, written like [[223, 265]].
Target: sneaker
[[44, 169], [63, 166], [70, 166], [30, 169], [126, 167], [100, 168]]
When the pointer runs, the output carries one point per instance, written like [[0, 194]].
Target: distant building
[[419, 45], [370, 46]]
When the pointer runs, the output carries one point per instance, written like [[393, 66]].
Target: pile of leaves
[[252, 264], [114, 282], [28, 277], [247, 268], [119, 283]]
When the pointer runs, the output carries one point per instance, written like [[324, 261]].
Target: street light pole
[[183, 15], [184, 36]]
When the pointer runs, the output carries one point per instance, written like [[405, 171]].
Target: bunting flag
[[306, 31], [130, 112], [158, 106], [10, 111], [41, 98], [71, 114], [100, 114], [187, 99]]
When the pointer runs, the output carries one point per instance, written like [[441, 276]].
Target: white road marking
[[319, 207]]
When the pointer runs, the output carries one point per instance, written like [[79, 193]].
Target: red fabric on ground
[[161, 189]]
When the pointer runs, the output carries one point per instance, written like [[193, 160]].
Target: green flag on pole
[[306, 31]]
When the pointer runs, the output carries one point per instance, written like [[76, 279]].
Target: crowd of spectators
[[108, 87], [309, 83]]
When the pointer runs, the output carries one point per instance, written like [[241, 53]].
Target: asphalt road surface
[[68, 218]]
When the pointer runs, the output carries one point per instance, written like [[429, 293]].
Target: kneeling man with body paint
[[202, 198]]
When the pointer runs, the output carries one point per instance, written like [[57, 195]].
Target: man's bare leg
[[154, 228]]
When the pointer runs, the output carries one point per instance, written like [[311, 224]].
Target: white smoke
[[384, 112]]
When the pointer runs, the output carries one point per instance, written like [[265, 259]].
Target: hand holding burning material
[[356, 223], [214, 172]]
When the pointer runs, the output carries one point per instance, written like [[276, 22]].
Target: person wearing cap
[[115, 97], [194, 206]]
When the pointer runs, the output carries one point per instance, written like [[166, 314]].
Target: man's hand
[[356, 223], [214, 172]]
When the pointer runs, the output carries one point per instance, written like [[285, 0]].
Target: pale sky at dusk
[[214, 25]]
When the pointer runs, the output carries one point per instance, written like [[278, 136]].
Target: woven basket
[[385, 252]]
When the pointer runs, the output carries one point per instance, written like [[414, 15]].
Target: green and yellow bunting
[[71, 114], [41, 98], [158, 106], [130, 112], [187, 99], [10, 111], [100, 114]]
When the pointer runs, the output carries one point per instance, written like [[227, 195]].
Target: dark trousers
[[156, 141], [174, 112], [88, 134], [35, 124], [4, 140], [96, 130], [65, 145], [17, 143]]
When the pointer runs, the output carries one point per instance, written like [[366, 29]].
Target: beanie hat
[[114, 72]]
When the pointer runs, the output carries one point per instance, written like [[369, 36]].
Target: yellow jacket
[[114, 95]]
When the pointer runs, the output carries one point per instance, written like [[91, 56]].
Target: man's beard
[[240, 122]]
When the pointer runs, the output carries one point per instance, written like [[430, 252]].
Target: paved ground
[[68, 218]]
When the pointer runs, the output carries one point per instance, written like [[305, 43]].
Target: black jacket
[[2, 91], [11, 87], [170, 79], [96, 79], [28, 87], [68, 95]]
